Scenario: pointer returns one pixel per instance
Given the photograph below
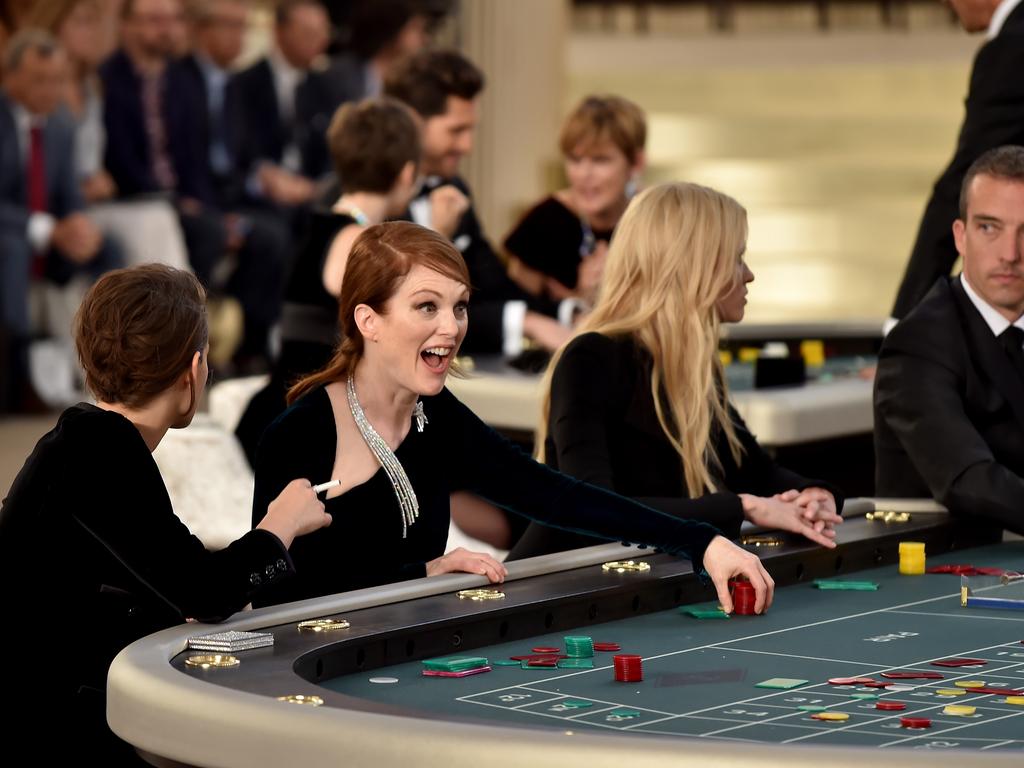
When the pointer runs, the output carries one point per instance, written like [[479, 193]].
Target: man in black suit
[[280, 110], [43, 230], [994, 117], [444, 88], [949, 393]]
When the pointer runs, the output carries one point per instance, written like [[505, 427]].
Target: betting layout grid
[[775, 716], [788, 716]]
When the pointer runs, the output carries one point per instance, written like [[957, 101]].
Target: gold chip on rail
[[323, 625], [626, 566], [480, 594]]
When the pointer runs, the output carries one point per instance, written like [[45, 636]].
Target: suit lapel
[[52, 150], [274, 122], [987, 353], [11, 149]]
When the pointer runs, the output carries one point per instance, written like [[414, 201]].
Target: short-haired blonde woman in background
[[558, 248]]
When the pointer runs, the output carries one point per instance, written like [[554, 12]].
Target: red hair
[[381, 257]]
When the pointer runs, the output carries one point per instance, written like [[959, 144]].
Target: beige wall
[[521, 46]]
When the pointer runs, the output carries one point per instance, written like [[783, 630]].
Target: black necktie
[[1012, 340]]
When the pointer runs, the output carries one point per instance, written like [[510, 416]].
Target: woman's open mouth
[[437, 358]]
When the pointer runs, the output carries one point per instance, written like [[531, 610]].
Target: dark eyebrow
[[986, 218], [464, 296]]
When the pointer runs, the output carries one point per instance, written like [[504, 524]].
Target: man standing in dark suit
[[994, 117], [281, 108], [443, 87], [43, 231], [949, 393]]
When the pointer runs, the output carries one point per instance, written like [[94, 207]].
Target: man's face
[[448, 137], [304, 36], [155, 28], [991, 243], [39, 81], [974, 15], [221, 35]]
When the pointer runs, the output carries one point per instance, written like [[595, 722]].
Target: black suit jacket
[[88, 526], [259, 133], [603, 429], [226, 191], [63, 196], [491, 285], [994, 116], [949, 411], [128, 154]]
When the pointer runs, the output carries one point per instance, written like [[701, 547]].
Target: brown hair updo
[[138, 330]]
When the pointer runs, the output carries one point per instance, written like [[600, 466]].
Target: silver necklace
[[393, 468]]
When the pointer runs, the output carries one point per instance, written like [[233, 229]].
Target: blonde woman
[[637, 401]]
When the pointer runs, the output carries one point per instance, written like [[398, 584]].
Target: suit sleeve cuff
[[40, 230], [513, 318], [567, 309]]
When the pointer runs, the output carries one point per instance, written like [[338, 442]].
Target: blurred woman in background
[[558, 249]]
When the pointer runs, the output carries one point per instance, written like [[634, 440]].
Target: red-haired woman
[[96, 557], [379, 421]]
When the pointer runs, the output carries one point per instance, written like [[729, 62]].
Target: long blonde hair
[[676, 251]]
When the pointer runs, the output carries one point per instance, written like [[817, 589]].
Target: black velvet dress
[[96, 559], [550, 238], [603, 428], [363, 547]]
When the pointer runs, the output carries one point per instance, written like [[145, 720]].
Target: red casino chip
[[628, 668], [744, 597], [547, 649], [915, 722], [607, 647], [890, 706], [912, 675]]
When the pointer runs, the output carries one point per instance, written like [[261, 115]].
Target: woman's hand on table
[[723, 560], [819, 506], [461, 560], [780, 513]]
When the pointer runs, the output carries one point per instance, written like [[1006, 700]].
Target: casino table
[[836, 405], [698, 702], [821, 429]]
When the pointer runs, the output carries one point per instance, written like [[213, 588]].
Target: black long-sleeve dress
[[96, 559], [364, 547], [602, 428]]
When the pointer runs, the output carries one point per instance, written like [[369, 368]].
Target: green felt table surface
[[700, 676]]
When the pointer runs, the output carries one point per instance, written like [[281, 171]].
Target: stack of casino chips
[[455, 666], [628, 668], [579, 647], [743, 596]]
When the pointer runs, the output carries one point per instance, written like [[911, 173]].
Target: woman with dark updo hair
[[95, 556]]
